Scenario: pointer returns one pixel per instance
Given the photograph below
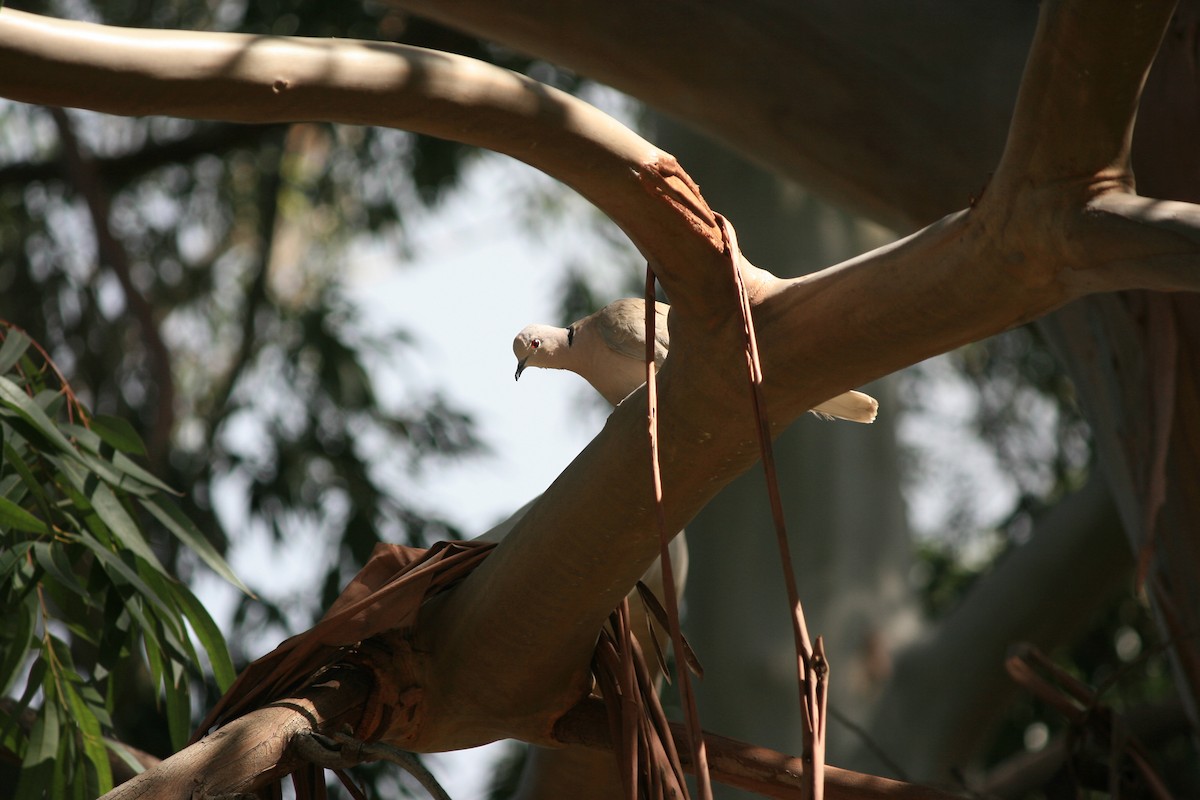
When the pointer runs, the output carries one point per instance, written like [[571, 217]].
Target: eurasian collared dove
[[608, 350]]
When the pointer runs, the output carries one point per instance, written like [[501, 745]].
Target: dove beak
[[520, 368]]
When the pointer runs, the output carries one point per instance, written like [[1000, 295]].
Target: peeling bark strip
[[695, 737], [383, 598], [811, 672]]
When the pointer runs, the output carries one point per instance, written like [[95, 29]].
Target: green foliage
[[941, 576], [85, 594]]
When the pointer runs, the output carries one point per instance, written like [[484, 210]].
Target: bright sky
[[479, 276]]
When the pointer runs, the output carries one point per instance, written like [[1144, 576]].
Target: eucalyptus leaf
[[154, 660], [115, 639], [118, 468], [21, 621], [179, 712], [210, 637], [11, 557], [172, 629], [83, 471], [186, 531], [84, 718], [127, 758], [52, 559], [43, 739], [117, 432], [64, 783], [129, 468], [15, 398], [122, 525], [82, 436], [97, 704], [12, 738], [12, 488], [116, 568], [15, 343], [129, 478], [13, 459], [63, 659], [13, 517], [37, 676]]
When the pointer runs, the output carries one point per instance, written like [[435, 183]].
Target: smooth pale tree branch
[[805, 88], [1142, 243], [901, 128], [255, 750], [264, 79], [506, 653]]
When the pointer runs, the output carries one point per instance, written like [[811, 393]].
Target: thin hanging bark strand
[[695, 733], [812, 670]]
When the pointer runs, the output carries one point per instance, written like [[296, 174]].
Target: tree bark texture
[[255, 750], [508, 649]]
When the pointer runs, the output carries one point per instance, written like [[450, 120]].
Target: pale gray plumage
[[608, 350]]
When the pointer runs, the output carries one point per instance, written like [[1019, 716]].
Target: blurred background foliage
[[188, 278]]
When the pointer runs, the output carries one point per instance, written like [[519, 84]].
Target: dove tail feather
[[852, 406]]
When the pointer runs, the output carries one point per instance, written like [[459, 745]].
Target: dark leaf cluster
[[89, 605]]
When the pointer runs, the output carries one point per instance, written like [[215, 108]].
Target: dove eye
[[535, 344], [570, 336]]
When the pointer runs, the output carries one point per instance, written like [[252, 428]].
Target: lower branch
[[253, 751], [745, 766]]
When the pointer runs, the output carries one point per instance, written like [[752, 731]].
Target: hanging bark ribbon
[[694, 733], [811, 665]]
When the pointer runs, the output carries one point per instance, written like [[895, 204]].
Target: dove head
[[538, 345]]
